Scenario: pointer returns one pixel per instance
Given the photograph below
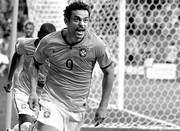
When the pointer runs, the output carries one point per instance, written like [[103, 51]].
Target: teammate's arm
[[33, 98], [107, 84], [14, 64]]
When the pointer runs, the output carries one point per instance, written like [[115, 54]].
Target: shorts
[[59, 117], [21, 103]]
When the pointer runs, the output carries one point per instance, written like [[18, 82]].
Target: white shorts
[[60, 118], [21, 103]]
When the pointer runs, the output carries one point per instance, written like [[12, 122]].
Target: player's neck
[[69, 38]]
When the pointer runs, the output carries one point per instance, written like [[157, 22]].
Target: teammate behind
[[72, 53], [25, 48]]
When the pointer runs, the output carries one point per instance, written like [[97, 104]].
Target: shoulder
[[51, 36], [95, 39], [51, 39], [25, 40], [23, 43]]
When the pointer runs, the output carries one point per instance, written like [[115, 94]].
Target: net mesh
[[152, 33], [43, 11]]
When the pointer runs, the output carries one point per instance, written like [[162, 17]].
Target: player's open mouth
[[80, 32]]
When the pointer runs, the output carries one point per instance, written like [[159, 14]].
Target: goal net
[[143, 36]]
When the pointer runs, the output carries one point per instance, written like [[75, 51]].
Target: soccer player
[[72, 54], [25, 48]]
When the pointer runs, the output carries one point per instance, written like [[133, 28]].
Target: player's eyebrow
[[76, 16]]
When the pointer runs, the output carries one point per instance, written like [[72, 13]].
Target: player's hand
[[100, 115], [33, 101], [7, 86]]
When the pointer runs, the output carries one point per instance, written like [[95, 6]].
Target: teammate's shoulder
[[52, 35], [24, 40]]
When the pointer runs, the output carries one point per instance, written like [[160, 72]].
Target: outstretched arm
[[107, 84], [14, 64]]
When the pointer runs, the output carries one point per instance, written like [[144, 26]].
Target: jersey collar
[[73, 44]]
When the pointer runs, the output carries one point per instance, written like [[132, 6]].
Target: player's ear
[[66, 21]]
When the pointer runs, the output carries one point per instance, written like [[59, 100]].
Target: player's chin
[[79, 37]]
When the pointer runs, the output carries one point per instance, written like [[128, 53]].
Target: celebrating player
[[72, 53]]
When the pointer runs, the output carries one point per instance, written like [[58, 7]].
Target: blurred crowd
[[6, 8]]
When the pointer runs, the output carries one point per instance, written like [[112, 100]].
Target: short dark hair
[[45, 29], [28, 23], [77, 5]]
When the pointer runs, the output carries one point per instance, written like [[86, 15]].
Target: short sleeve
[[19, 47], [103, 56], [41, 52]]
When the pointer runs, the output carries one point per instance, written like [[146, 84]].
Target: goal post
[[121, 63], [12, 47]]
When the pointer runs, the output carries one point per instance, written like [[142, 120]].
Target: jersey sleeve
[[103, 56], [41, 52], [19, 47]]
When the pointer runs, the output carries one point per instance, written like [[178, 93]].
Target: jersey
[[70, 72], [26, 47]]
